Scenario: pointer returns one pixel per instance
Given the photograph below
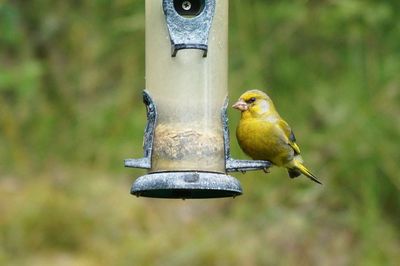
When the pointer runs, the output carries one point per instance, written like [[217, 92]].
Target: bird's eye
[[251, 100]]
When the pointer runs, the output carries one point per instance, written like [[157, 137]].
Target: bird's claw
[[266, 170]]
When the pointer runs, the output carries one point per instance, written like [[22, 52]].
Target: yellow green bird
[[264, 135]]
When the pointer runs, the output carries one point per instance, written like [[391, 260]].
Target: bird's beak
[[241, 105]]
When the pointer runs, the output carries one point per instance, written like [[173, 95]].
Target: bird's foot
[[266, 170]]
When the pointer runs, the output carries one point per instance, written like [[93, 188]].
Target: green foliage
[[71, 76]]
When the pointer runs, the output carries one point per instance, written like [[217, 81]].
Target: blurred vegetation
[[71, 77]]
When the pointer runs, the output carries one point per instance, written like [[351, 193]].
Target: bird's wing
[[290, 136]]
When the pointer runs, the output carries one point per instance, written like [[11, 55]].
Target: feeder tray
[[186, 185]]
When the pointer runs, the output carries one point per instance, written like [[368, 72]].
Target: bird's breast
[[262, 140]]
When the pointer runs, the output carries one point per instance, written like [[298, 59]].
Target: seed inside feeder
[[187, 147]]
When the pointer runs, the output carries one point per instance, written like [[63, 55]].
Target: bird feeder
[[186, 141]]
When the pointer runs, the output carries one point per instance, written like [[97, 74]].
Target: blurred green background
[[71, 78]]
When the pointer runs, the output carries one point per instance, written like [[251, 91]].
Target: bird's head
[[255, 103]]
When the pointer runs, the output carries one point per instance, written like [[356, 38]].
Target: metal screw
[[186, 5]]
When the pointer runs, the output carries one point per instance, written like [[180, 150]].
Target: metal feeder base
[[186, 185]]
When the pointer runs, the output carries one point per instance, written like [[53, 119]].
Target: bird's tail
[[298, 166]]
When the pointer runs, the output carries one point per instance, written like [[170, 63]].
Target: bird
[[264, 135]]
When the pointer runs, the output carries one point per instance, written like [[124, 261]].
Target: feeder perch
[[186, 140]]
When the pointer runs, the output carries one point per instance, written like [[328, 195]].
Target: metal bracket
[[189, 33], [233, 165], [145, 162]]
